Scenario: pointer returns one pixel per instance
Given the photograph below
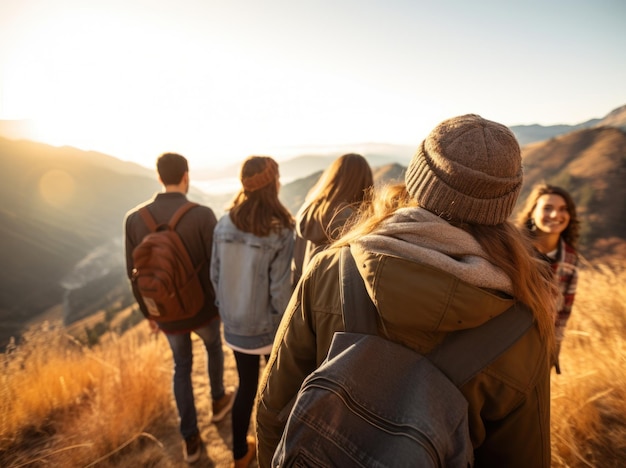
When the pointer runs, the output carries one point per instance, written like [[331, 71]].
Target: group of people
[[437, 254]]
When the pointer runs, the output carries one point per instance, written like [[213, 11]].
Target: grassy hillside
[[589, 397], [58, 205]]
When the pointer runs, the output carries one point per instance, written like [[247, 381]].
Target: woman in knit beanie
[[250, 271], [437, 255]]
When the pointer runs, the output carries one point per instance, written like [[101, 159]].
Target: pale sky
[[218, 80]]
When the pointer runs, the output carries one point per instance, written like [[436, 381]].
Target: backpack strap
[[148, 219], [178, 214], [354, 297], [463, 353]]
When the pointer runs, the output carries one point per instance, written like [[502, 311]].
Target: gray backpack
[[375, 403]]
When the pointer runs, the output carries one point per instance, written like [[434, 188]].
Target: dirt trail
[[217, 437]]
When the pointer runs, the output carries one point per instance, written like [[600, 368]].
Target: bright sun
[[122, 87], [55, 73], [133, 89]]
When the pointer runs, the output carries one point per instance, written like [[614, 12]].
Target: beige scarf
[[418, 235]]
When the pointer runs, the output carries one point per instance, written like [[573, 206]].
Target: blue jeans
[[183, 361]]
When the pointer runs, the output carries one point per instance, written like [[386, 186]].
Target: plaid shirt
[[565, 268]]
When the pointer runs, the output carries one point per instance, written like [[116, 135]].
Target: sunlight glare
[[56, 187]]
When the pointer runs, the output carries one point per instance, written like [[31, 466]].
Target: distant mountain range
[[379, 154], [318, 159], [306, 161], [62, 211]]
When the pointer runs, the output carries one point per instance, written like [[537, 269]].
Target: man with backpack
[[168, 254]]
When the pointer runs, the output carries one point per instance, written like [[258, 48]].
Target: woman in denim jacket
[[250, 271]]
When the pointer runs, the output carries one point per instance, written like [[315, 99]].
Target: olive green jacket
[[509, 401]]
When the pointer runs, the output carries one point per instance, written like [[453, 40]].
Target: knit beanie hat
[[468, 169], [257, 181]]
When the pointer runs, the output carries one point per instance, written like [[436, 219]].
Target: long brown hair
[[503, 243], [259, 211], [524, 218], [346, 180]]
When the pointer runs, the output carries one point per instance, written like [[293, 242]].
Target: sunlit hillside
[[589, 397], [65, 403]]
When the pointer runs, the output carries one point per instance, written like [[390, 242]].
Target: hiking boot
[[249, 456], [192, 447], [222, 406]]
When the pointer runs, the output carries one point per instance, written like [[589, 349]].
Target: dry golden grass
[[63, 404], [66, 405], [589, 397]]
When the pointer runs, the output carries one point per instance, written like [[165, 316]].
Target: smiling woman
[[550, 218]]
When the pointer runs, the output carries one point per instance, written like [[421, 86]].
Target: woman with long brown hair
[[549, 217], [437, 255], [338, 193], [250, 271]]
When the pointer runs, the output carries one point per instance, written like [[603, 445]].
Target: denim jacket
[[251, 277]]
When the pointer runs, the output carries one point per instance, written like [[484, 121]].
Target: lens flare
[[56, 187]]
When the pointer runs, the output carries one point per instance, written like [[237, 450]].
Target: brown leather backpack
[[163, 273]]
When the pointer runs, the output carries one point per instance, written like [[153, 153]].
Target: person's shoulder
[[133, 212], [279, 229], [224, 219], [326, 259], [570, 248], [203, 211], [201, 206], [570, 253]]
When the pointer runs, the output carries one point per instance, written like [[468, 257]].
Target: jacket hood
[[415, 295], [318, 222], [423, 273]]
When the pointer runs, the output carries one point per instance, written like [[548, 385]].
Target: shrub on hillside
[[65, 404]]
